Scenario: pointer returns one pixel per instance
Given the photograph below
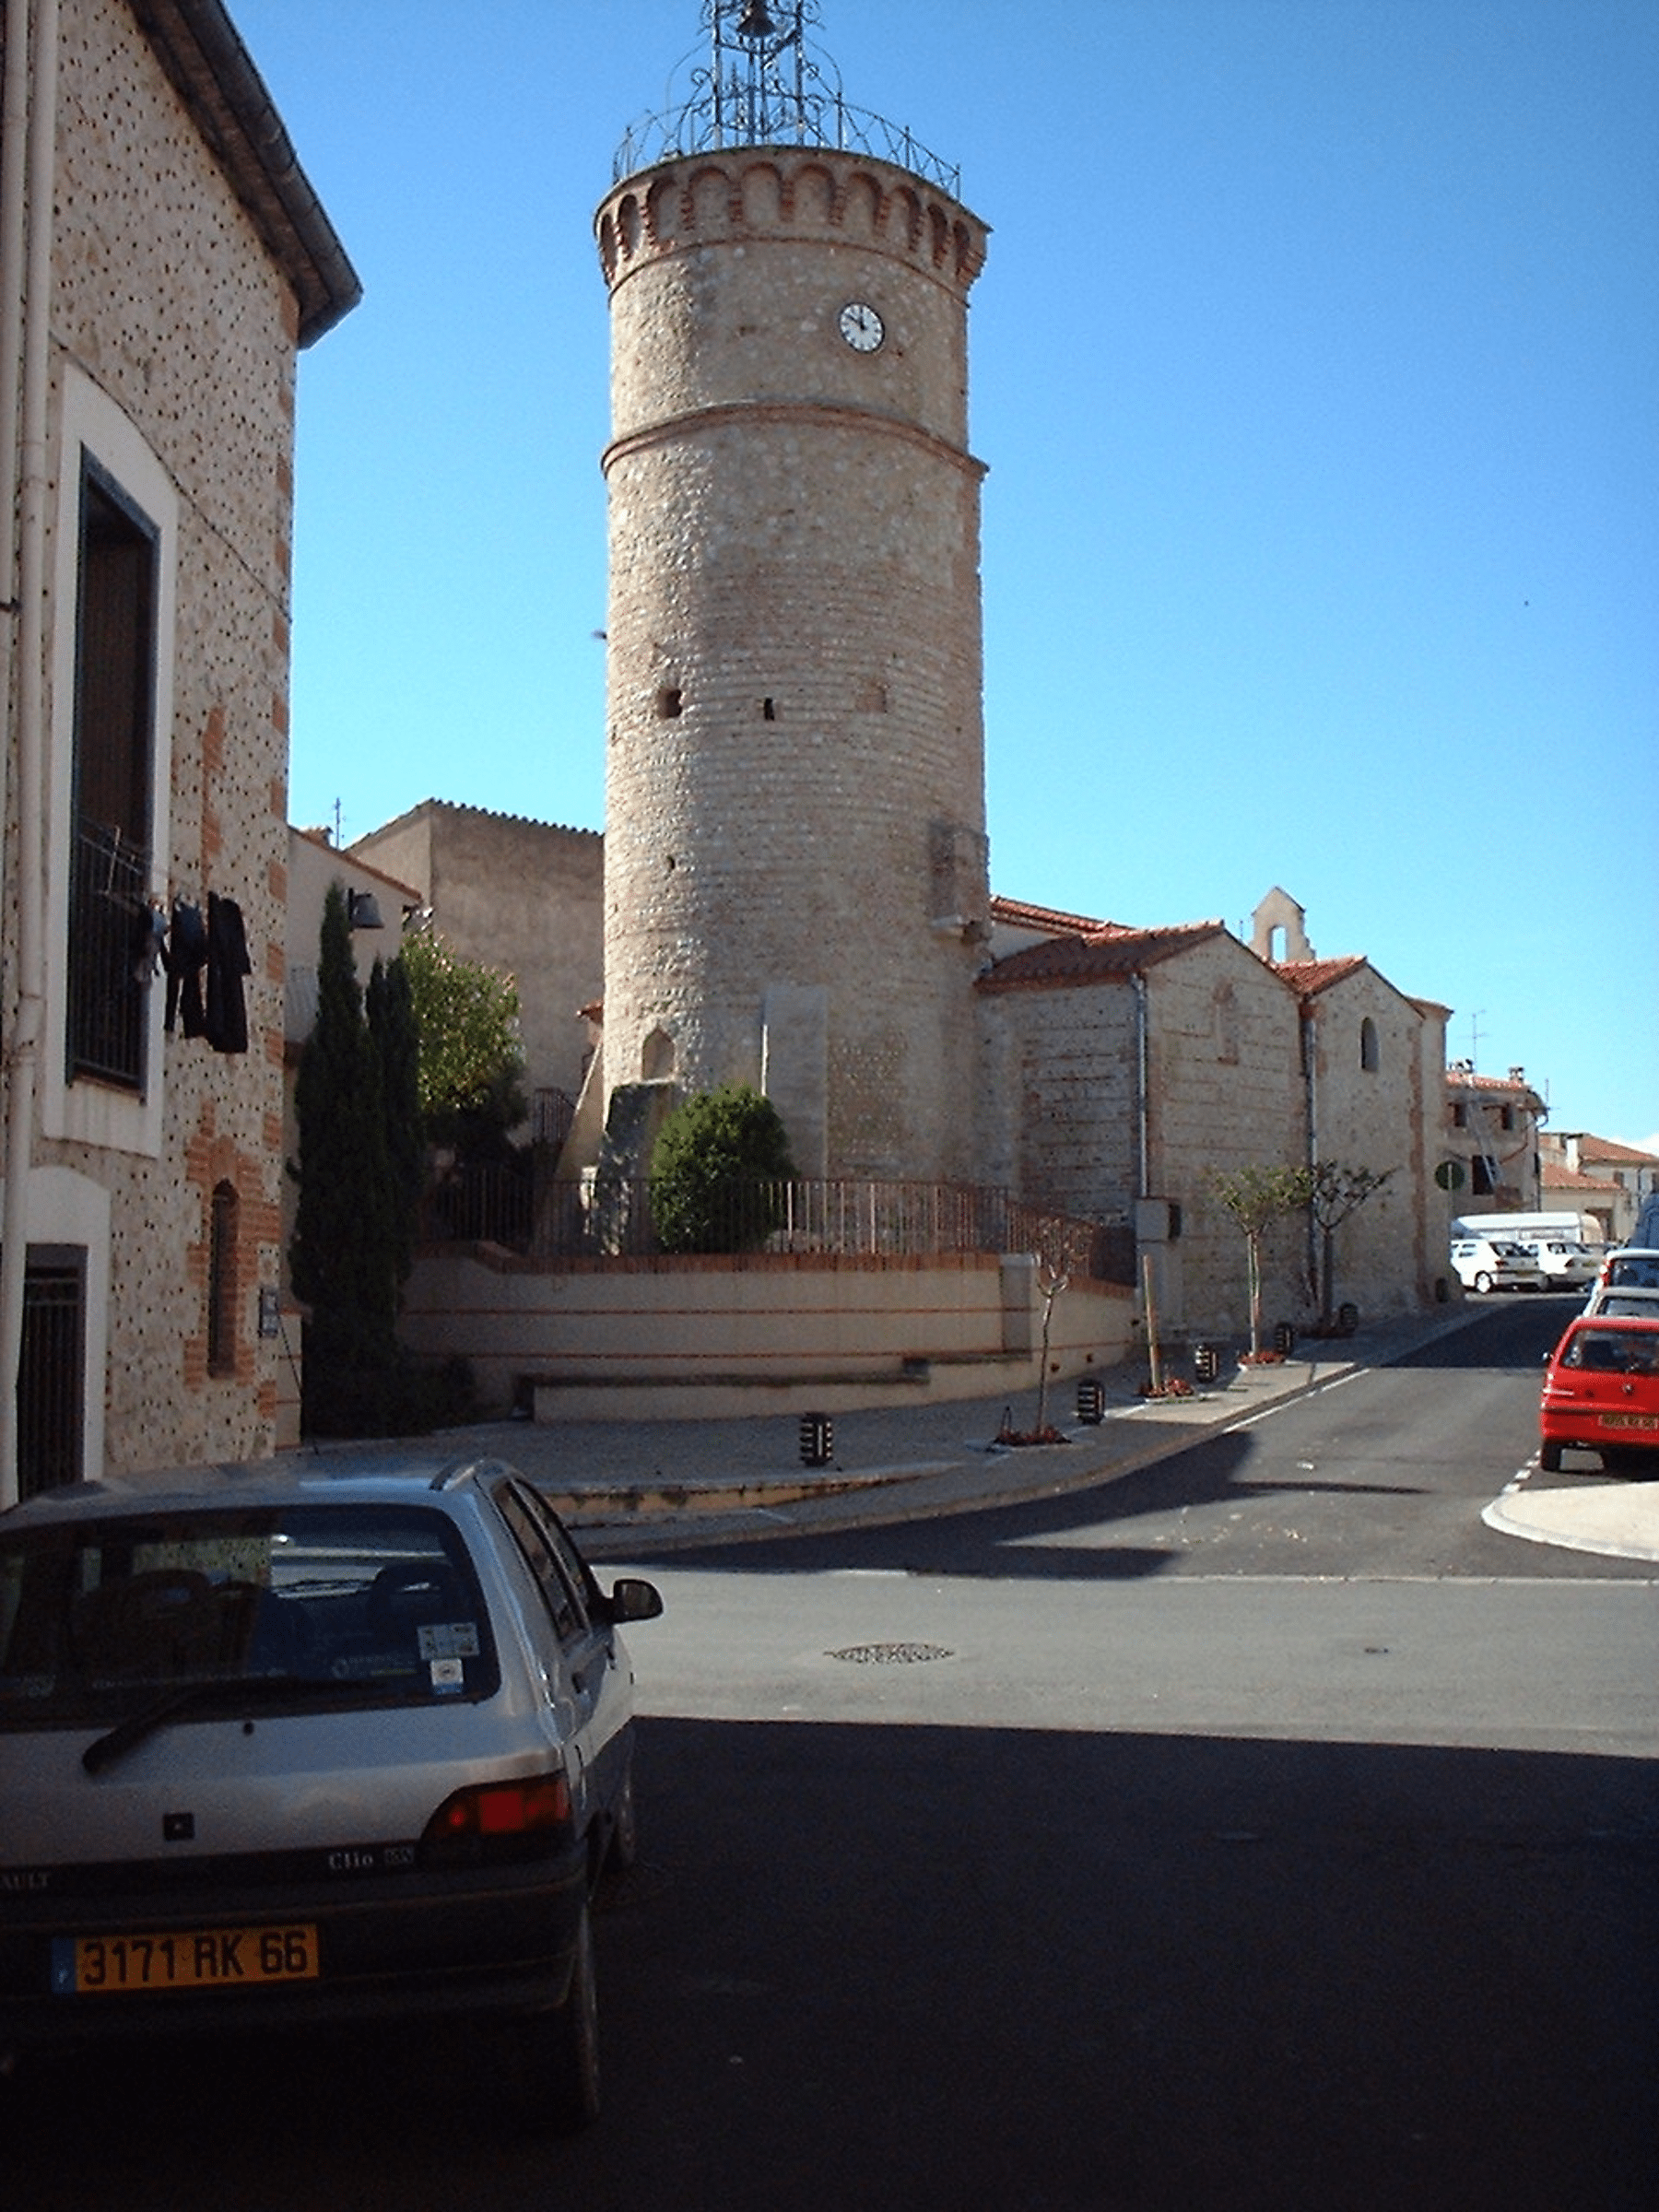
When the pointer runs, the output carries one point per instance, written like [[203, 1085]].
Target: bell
[[756, 23], [362, 910]]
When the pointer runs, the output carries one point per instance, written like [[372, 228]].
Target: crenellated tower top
[[758, 80]]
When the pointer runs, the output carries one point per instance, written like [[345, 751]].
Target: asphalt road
[[1259, 1831]]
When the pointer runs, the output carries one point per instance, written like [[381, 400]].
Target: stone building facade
[[1124, 1066], [1371, 1059], [796, 886], [1613, 1183], [173, 261], [525, 897], [1489, 1136]]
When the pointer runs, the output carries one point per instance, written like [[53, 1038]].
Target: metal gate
[[50, 1375]]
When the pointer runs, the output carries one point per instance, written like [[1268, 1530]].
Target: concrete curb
[[1620, 1519], [994, 1475], [729, 1483]]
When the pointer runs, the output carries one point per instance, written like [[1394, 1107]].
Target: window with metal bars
[[113, 769]]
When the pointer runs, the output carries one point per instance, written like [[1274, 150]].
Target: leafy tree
[[1256, 1197], [1060, 1256], [1336, 1193], [714, 1171], [344, 1253], [471, 1065], [391, 1013]]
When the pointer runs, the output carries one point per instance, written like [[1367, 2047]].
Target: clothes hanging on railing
[[185, 958], [227, 962], [150, 942], [206, 962]]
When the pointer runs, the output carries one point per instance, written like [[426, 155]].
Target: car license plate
[[184, 1959], [1629, 1421]]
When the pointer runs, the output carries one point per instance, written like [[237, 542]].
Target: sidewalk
[[689, 1480]]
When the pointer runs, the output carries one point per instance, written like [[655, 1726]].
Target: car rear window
[[345, 1606], [1634, 1273], [1613, 1352]]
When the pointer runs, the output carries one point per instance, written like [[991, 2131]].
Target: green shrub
[[715, 1169]]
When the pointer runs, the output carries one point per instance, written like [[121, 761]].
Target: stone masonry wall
[[165, 299], [1370, 1113], [523, 896], [1226, 1092]]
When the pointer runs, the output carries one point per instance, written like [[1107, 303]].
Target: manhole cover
[[890, 1654]]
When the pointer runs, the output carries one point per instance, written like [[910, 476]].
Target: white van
[[1572, 1228]]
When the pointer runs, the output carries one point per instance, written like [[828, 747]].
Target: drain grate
[[891, 1654]]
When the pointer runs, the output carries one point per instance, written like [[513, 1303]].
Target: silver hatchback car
[[336, 1740]]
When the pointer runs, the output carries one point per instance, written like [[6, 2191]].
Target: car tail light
[[497, 1820]]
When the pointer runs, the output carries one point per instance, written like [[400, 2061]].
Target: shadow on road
[[1021, 1540], [1518, 1330], [927, 1970]]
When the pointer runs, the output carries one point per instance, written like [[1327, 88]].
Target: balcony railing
[[108, 957], [615, 1216], [766, 117]]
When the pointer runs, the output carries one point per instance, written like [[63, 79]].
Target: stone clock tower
[[796, 859]]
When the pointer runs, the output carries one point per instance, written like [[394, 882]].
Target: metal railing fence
[[604, 1216]]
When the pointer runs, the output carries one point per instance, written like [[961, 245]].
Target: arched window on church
[[656, 1058], [1370, 1055], [1225, 1013]]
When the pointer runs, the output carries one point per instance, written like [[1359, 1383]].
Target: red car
[[1601, 1393]]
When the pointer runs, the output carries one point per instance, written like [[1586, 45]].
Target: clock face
[[861, 326]]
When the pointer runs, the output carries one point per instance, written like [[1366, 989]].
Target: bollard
[[818, 1439], [1284, 1336], [1091, 1400], [1206, 1363]]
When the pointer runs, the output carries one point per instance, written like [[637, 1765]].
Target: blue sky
[[1316, 365]]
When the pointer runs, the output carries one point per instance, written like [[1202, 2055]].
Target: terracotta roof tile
[[1107, 953], [1307, 977], [1017, 914], [1623, 1156], [1556, 1175], [1508, 1086]]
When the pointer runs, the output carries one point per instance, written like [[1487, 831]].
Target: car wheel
[[1483, 1281], [551, 2059], [1549, 1458]]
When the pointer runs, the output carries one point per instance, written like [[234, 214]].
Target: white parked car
[[1564, 1265], [1484, 1264]]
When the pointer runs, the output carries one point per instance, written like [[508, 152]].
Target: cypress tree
[[344, 1251]]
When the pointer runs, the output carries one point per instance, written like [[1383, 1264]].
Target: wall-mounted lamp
[[362, 910]]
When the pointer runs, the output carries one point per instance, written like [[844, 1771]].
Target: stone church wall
[[1371, 1089]]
